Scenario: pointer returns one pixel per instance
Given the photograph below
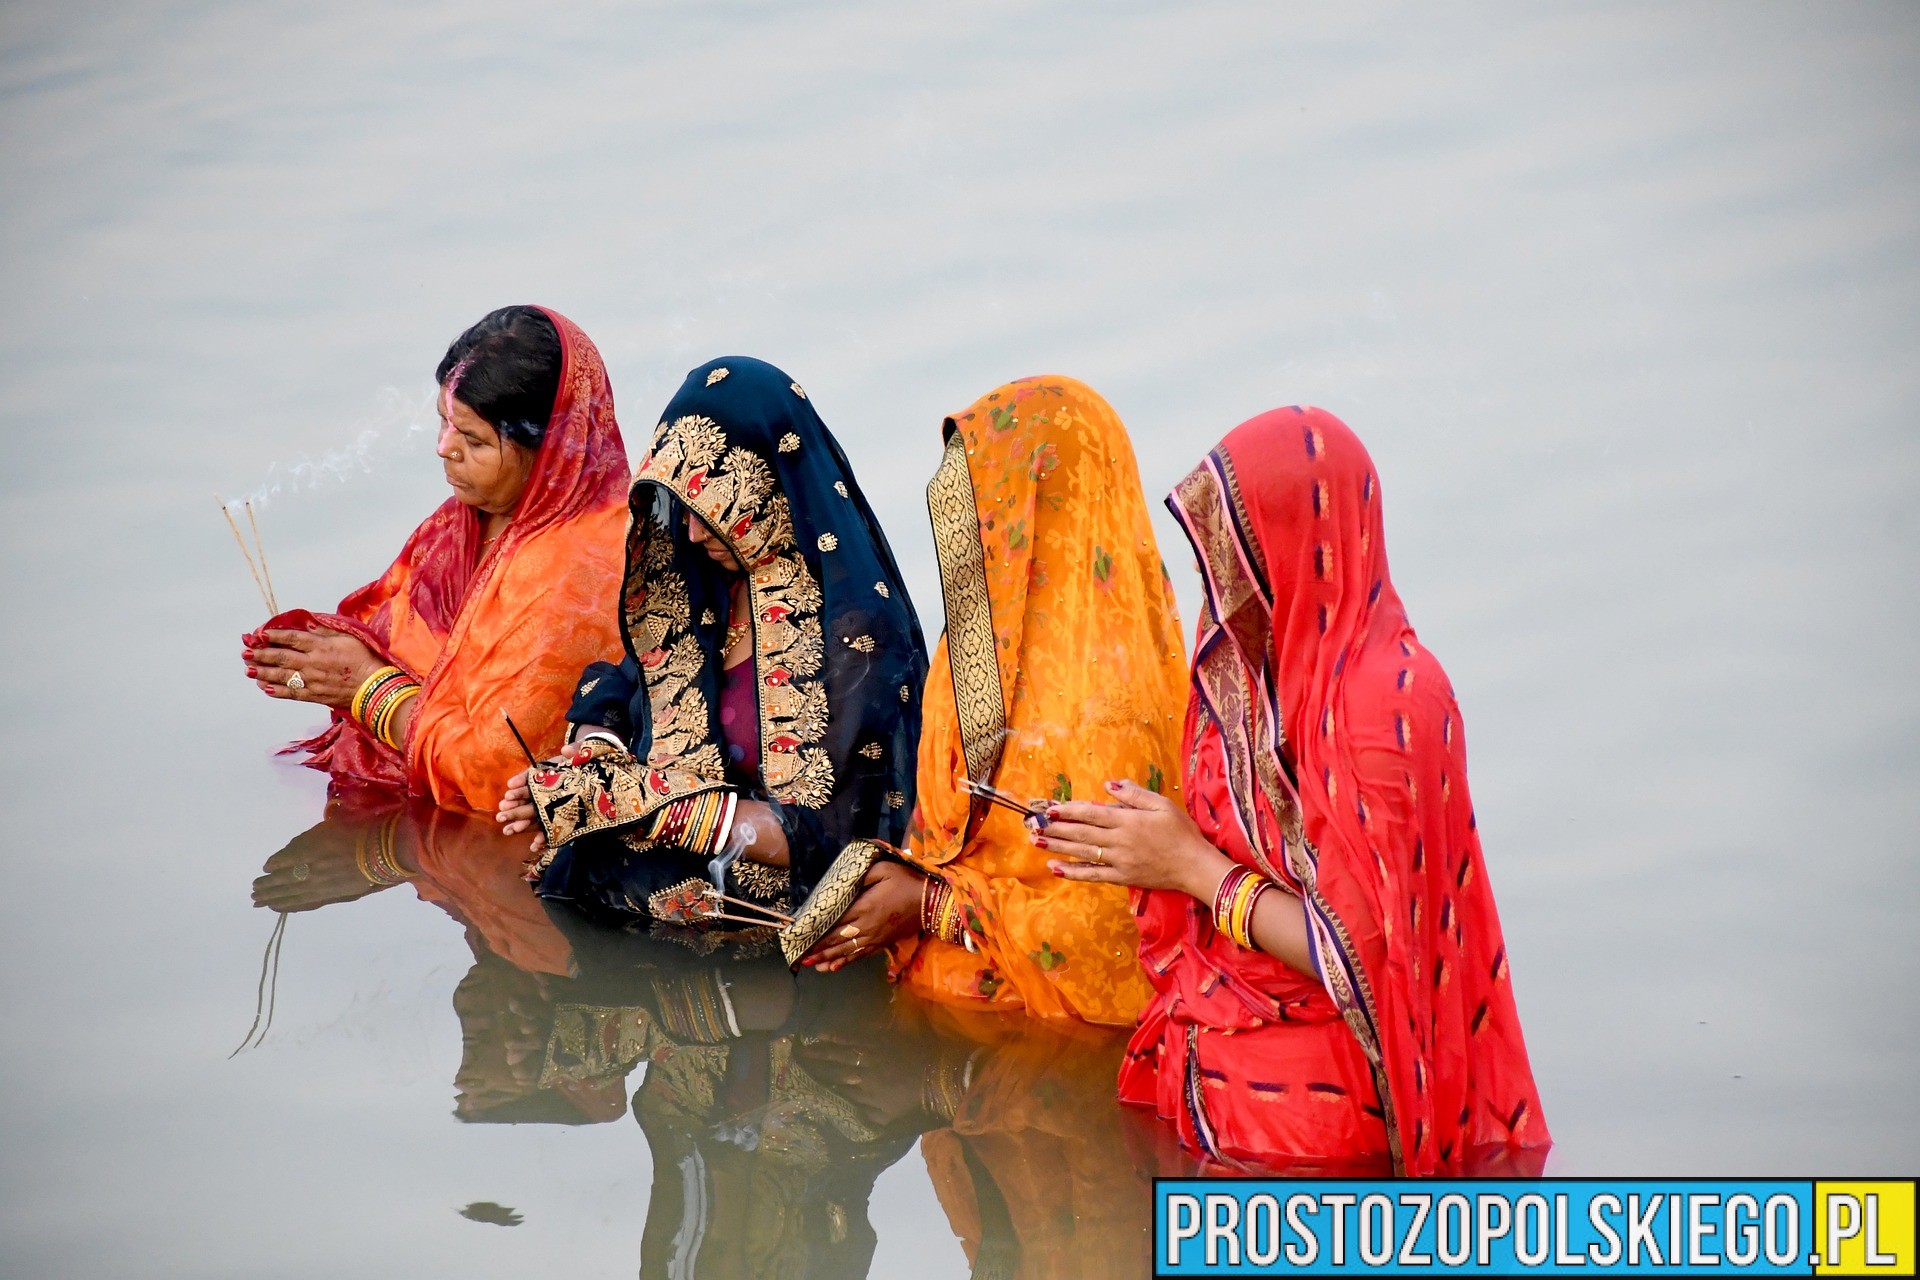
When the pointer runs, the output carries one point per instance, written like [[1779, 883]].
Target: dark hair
[[509, 366]]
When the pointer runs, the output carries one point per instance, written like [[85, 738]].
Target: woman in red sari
[[1331, 990], [499, 598]]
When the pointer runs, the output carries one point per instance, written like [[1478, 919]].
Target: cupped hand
[[516, 811], [1142, 839], [331, 665], [887, 910]]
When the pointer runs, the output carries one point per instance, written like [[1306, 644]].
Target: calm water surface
[[1622, 298]]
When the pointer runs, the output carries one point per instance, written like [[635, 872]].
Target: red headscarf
[[512, 633], [1324, 748]]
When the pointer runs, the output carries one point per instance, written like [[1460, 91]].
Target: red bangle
[[1229, 885]]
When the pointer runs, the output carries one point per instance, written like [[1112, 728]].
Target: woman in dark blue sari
[[760, 733]]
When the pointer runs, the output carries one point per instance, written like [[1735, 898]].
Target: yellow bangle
[[1240, 926], [358, 707]]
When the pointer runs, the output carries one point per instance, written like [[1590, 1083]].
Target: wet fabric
[[1061, 668], [837, 656], [506, 632], [1324, 748]]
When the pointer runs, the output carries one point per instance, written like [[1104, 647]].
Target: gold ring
[[296, 682], [851, 931], [1100, 855]]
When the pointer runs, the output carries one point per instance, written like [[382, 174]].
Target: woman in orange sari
[[1061, 667], [497, 600], [1331, 988]]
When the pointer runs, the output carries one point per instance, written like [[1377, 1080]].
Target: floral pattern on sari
[[1061, 668]]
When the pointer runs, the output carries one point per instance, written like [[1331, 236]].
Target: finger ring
[[300, 871], [296, 682], [1100, 855], [851, 931]]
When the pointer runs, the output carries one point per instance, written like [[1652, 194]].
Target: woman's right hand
[[887, 910]]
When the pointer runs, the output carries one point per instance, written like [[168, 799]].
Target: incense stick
[[524, 749], [987, 788], [721, 915], [782, 917], [991, 796], [260, 546], [241, 542]]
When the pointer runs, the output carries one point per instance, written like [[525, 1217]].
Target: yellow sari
[[1062, 667]]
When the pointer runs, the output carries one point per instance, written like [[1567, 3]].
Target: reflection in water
[[771, 1102]]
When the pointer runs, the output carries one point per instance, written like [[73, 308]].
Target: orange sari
[[510, 631], [1062, 667]]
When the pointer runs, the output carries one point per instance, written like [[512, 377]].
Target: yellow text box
[[1863, 1228]]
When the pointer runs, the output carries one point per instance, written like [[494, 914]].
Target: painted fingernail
[[1055, 868], [1113, 786], [253, 673], [1041, 841]]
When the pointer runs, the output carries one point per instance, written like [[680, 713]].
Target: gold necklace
[[736, 631]]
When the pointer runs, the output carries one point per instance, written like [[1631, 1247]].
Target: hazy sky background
[[1623, 298]]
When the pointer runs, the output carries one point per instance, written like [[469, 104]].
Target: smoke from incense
[[398, 422]]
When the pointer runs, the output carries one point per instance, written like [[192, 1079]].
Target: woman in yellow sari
[[1062, 667]]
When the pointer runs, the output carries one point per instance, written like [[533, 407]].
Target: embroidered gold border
[[828, 901], [736, 494], [963, 585], [610, 793], [1256, 554], [734, 491]]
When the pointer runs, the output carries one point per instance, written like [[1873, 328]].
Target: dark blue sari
[[838, 658]]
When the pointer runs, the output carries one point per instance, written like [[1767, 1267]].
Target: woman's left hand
[[331, 665], [1143, 839], [515, 813], [887, 910]]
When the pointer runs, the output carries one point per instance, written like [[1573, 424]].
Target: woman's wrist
[[1206, 868], [378, 704], [940, 915]]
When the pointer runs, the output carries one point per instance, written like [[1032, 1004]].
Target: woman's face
[[484, 470], [716, 550]]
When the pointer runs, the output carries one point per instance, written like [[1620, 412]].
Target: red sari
[[1324, 748], [507, 632]]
